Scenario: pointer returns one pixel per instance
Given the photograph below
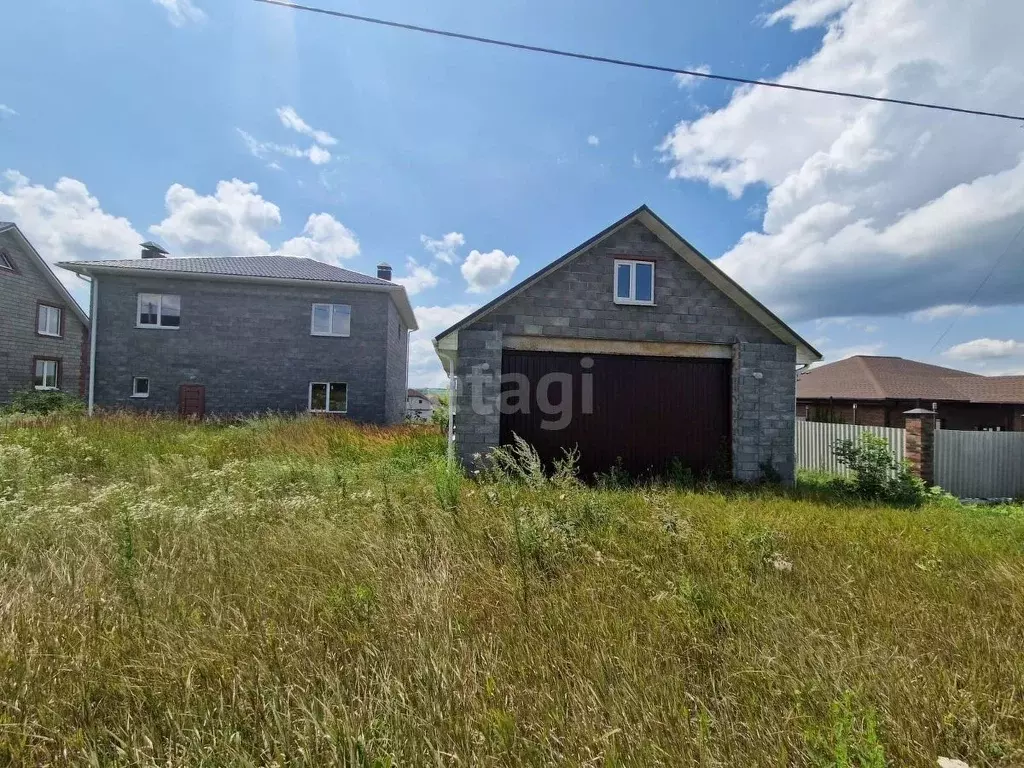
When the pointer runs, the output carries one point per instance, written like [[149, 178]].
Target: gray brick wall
[[397, 367], [249, 345], [763, 410], [576, 301], [20, 292], [478, 369]]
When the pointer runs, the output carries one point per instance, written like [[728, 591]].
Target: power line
[[640, 65], [995, 266]]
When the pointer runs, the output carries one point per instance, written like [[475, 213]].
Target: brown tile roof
[[864, 377]]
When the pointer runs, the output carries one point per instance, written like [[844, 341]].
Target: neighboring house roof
[[417, 393], [865, 377], [707, 269], [276, 269], [51, 278]]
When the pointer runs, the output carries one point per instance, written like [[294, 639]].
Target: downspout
[[93, 296]]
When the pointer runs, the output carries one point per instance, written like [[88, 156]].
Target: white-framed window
[[48, 320], [634, 282], [159, 310], [140, 386], [46, 373], [328, 396], [330, 320], [5, 261]]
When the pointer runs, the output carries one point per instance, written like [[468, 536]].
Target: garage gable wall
[[576, 300]]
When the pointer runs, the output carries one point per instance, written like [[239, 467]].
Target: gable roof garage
[[633, 349]]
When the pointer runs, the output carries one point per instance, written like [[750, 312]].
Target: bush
[[439, 416], [44, 401], [877, 474]]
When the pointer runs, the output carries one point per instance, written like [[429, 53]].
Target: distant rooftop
[[866, 377], [279, 267]]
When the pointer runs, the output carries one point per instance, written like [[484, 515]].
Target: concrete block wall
[[763, 410], [21, 290], [477, 418], [248, 344], [397, 375]]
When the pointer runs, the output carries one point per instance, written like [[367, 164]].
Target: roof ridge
[[871, 376]]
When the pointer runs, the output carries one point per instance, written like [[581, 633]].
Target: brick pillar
[[921, 443]]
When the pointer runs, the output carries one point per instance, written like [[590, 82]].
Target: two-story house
[[243, 335], [44, 334]]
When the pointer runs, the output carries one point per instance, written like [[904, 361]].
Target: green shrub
[[439, 416], [44, 401], [877, 474]]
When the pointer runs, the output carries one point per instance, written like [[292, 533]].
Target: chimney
[[151, 250], [384, 271]]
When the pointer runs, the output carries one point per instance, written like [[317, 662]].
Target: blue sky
[[223, 126]]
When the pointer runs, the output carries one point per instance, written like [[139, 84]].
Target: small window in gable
[[48, 320], [634, 282], [5, 262], [330, 320]]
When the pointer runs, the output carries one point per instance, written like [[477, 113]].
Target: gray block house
[[634, 350], [245, 335], [44, 334]]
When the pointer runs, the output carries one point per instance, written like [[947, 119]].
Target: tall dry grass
[[304, 592]]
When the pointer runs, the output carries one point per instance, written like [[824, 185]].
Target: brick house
[[636, 350], [877, 391], [44, 336], [244, 335]]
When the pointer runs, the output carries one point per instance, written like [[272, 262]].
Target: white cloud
[[444, 248], [875, 209], [985, 349], [180, 12], [484, 271], [841, 353], [316, 154], [803, 14], [290, 119], [690, 81], [943, 311], [424, 367], [324, 238], [637, 163], [66, 223], [593, 140], [419, 278], [226, 223], [6, 111]]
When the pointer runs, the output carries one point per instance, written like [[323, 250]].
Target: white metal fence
[[980, 464], [815, 441]]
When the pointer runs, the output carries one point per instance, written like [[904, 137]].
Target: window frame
[[58, 365], [330, 308], [328, 409], [631, 299], [40, 306], [159, 312], [135, 386], [6, 262]]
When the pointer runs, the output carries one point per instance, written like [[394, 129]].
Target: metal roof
[[704, 266], [867, 377], [281, 267]]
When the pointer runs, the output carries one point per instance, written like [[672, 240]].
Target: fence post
[[921, 443]]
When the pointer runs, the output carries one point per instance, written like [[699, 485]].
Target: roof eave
[[397, 292], [49, 274]]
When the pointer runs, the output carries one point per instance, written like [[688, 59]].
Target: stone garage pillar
[[920, 425], [763, 411], [477, 418]]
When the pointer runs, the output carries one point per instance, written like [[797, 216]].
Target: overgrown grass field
[[306, 592]]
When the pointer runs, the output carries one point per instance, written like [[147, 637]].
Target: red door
[[192, 400]]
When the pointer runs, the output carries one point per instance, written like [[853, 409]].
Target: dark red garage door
[[645, 411]]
